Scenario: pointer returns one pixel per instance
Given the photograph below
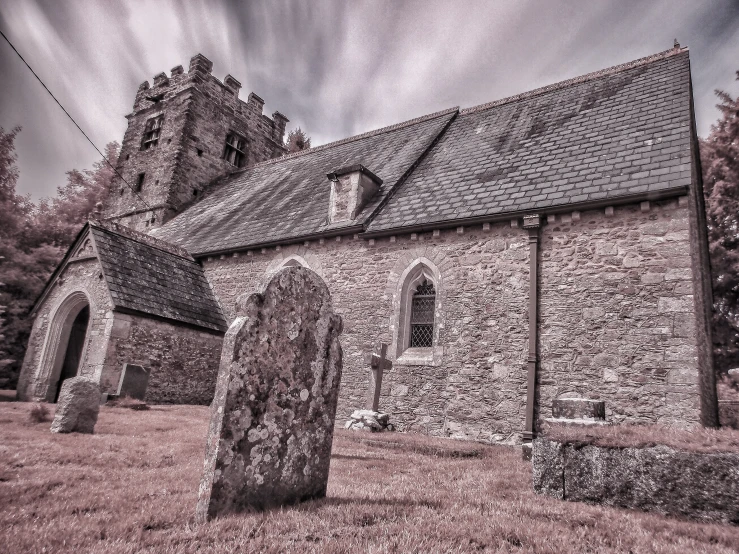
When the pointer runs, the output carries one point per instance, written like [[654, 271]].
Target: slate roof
[[155, 279], [620, 133], [289, 197], [623, 132]]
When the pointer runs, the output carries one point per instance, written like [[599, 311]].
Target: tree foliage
[[297, 140], [33, 240], [720, 165]]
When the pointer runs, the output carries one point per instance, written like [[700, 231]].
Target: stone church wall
[[37, 380], [183, 361], [616, 318], [474, 389]]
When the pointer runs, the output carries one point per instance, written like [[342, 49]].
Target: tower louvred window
[[235, 150], [422, 315], [151, 132]]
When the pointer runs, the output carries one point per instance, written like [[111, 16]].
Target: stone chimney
[[352, 188]]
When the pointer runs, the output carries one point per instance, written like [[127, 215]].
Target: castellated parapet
[[185, 130]]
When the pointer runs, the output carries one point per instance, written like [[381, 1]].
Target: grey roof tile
[[147, 276], [288, 197], [571, 136], [614, 133]]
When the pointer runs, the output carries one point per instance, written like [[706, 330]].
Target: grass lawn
[[132, 487]]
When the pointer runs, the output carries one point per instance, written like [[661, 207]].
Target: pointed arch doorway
[[74, 349], [64, 348]]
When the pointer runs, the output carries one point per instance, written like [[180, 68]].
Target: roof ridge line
[[143, 238], [373, 133], [576, 80]]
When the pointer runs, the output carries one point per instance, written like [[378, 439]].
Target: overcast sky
[[335, 68]]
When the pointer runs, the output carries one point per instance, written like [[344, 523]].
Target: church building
[[544, 246]]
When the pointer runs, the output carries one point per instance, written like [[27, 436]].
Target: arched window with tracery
[[422, 315]]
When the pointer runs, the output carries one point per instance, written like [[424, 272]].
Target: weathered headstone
[[378, 363], [78, 406], [272, 417], [134, 380]]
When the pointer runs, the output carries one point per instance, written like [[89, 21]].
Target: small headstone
[[134, 380], [78, 406], [272, 417]]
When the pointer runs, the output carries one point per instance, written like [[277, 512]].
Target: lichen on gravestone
[[272, 417]]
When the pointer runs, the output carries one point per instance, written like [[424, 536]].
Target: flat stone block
[[578, 408]]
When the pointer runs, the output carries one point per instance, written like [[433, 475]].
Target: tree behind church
[[33, 240], [297, 140], [720, 165]]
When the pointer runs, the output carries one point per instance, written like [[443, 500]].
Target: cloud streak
[[334, 68]]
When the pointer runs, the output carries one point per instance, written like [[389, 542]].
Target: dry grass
[[640, 436], [132, 487], [39, 413], [128, 402]]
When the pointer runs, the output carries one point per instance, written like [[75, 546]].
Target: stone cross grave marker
[[378, 365], [134, 380], [272, 417]]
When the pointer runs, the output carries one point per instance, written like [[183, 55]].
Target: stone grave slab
[[272, 417], [133, 383], [78, 406]]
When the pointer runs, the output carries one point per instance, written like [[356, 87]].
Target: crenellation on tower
[[185, 130]]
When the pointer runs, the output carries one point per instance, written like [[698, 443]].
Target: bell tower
[[185, 130]]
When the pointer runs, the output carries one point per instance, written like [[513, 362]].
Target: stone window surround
[[419, 269], [60, 322], [152, 133]]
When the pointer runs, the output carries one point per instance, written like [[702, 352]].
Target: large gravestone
[[134, 380], [272, 417], [78, 406]]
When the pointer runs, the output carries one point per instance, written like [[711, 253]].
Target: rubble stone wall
[[198, 112], [474, 387], [702, 486], [182, 361], [617, 320]]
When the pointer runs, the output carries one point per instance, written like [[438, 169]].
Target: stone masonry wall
[[199, 111], [183, 361], [616, 320], [475, 388], [617, 315], [84, 276]]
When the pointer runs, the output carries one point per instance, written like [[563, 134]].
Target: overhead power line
[[75, 123]]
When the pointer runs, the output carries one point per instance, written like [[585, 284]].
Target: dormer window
[[235, 150], [151, 132], [352, 188]]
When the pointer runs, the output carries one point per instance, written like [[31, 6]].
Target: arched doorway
[[64, 347], [74, 349]]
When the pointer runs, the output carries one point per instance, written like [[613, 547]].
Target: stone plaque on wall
[[134, 380]]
